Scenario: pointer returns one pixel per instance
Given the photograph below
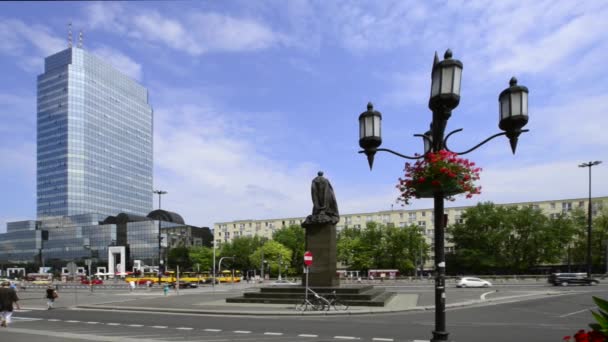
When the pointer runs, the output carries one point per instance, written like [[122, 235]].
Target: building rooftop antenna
[[80, 36], [70, 35]]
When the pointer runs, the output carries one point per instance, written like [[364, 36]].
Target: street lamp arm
[[396, 153], [445, 141]]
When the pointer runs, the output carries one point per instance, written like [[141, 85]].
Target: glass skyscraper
[[94, 138]]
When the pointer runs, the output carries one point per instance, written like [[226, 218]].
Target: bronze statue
[[325, 207]]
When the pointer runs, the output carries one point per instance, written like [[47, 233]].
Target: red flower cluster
[[440, 171], [590, 336]]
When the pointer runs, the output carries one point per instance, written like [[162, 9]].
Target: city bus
[[226, 277]]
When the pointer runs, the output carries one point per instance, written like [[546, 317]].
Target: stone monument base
[[357, 295], [321, 242]]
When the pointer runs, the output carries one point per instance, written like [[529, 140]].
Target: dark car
[[566, 279], [185, 285]]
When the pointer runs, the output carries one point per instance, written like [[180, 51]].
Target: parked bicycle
[[336, 303], [314, 302]]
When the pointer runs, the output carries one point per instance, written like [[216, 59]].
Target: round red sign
[[307, 258]]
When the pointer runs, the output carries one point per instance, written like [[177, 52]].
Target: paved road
[[545, 318]]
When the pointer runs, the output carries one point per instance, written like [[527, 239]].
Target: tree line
[[488, 239]]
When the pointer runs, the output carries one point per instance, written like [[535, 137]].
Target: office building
[[94, 138]]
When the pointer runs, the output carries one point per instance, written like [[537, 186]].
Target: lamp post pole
[[160, 260], [445, 96], [213, 275], [589, 214]]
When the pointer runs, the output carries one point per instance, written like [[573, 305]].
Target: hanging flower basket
[[427, 189], [440, 172]]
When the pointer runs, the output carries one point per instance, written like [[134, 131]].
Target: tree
[[379, 246], [179, 256], [273, 252], [203, 257], [241, 247], [510, 239], [294, 238]]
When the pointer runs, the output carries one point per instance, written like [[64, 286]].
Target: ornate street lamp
[[445, 96], [369, 132], [589, 214]]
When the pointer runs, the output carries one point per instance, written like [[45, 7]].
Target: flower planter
[[426, 190], [440, 171]]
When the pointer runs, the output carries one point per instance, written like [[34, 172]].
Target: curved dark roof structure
[[124, 218], [167, 216]]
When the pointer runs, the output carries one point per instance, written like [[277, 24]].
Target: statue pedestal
[[321, 242]]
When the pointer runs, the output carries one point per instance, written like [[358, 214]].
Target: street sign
[[307, 258]]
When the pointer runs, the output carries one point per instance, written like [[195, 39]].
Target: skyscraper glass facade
[[94, 139]]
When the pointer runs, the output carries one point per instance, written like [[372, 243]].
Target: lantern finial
[[370, 158], [448, 54], [370, 106], [513, 81]]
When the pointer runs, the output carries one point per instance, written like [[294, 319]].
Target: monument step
[[361, 296]]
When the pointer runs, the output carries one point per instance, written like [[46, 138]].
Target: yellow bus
[[191, 277], [142, 279], [226, 277]]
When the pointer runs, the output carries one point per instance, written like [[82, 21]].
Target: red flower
[[443, 170], [581, 336]]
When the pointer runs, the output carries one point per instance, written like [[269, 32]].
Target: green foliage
[[601, 317], [273, 253], [179, 256], [294, 238], [379, 246], [514, 239], [241, 247], [201, 258]]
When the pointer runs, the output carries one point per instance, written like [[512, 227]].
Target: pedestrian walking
[[8, 298], [166, 289], [51, 295]]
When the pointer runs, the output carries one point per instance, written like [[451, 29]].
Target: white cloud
[[18, 39], [195, 33], [105, 15], [213, 175], [120, 61]]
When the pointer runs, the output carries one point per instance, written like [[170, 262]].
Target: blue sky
[[252, 98]]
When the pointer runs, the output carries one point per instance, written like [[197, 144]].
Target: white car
[[472, 282]]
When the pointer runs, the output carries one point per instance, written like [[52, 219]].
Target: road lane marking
[[136, 325], [113, 323], [273, 333], [184, 328], [92, 322], [159, 327], [213, 330], [346, 338], [382, 339], [26, 319], [307, 335], [53, 320], [242, 332], [72, 321], [483, 296], [576, 312]]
